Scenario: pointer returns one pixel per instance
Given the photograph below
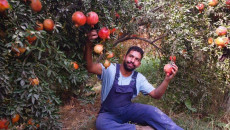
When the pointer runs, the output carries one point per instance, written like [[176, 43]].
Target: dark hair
[[135, 48]]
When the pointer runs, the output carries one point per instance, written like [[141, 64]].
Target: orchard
[[42, 53]]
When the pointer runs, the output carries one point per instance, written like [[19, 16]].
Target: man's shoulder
[[140, 76]]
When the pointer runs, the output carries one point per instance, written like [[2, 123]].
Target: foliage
[[34, 74], [203, 77]]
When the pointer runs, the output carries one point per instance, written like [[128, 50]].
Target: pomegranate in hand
[[168, 69]]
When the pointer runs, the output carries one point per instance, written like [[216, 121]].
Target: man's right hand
[[92, 35], [95, 68]]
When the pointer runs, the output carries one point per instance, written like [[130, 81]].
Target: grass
[[185, 120]]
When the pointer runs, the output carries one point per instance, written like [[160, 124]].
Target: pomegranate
[[104, 33], [18, 50], [31, 38], [75, 65], [112, 30], [213, 2], [36, 5], [78, 18], [168, 69], [39, 26], [4, 5], [221, 41], [15, 118], [110, 55], [48, 24], [172, 58], [92, 18], [227, 2], [117, 15], [200, 7], [210, 40], [4, 124], [221, 30], [106, 64], [34, 81], [98, 48]]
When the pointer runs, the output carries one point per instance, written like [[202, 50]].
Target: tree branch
[[143, 39]]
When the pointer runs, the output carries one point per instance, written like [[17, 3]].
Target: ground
[[78, 115]]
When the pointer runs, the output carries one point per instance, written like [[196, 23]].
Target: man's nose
[[132, 60]]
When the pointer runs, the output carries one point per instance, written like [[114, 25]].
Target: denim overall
[[117, 110]]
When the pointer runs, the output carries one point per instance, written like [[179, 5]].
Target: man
[[120, 83]]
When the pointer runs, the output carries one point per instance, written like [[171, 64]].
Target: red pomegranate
[[48, 24], [117, 15], [4, 5], [227, 2], [78, 18], [4, 124], [36, 5], [200, 7], [98, 48], [92, 18], [172, 58], [221, 30], [104, 33], [112, 30], [168, 69]]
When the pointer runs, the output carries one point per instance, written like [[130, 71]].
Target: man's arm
[[160, 90], [90, 66]]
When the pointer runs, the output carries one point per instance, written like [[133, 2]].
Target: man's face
[[132, 60]]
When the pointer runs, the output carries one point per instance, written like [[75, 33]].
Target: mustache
[[131, 63]]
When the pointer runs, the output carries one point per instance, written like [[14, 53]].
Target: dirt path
[[79, 115]]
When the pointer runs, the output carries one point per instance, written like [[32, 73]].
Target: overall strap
[[117, 75], [133, 82], [134, 76]]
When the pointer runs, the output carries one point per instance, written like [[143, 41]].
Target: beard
[[127, 68]]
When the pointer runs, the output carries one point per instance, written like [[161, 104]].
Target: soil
[[79, 115]]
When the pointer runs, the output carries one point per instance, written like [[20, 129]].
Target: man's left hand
[[174, 71]]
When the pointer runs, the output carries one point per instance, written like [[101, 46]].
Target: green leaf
[[189, 106]]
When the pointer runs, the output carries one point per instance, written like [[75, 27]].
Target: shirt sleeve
[[107, 72], [145, 86]]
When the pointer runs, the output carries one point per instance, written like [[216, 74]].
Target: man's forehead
[[135, 53]]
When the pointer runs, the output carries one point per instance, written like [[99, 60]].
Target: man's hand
[[92, 35], [174, 71]]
